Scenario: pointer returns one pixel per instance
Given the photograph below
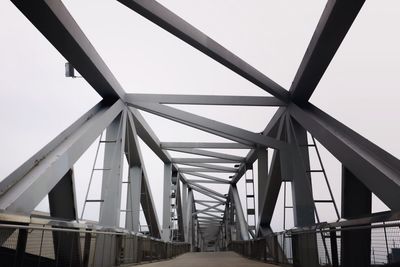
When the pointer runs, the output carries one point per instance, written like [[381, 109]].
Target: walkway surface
[[209, 259]]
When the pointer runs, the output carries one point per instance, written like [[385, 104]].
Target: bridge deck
[[210, 259]]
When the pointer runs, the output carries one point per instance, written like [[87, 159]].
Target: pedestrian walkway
[[209, 259]]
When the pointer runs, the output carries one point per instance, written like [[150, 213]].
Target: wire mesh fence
[[374, 244], [42, 246]]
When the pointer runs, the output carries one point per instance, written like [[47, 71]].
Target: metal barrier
[[59, 246], [371, 244]]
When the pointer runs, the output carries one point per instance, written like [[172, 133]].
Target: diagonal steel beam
[[214, 207], [206, 181], [209, 177], [272, 130], [172, 23], [212, 167], [207, 153], [191, 170], [336, 20], [201, 160], [219, 145], [23, 189], [54, 21], [377, 169], [207, 193], [209, 190], [224, 100], [208, 125]]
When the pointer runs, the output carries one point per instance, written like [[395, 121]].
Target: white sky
[[37, 102]]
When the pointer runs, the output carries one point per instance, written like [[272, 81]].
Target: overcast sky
[[360, 88]]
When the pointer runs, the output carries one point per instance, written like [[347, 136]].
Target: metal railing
[[42, 245], [292, 247]]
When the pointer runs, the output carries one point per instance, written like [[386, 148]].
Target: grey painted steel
[[112, 172], [205, 176], [273, 185], [209, 190], [166, 19], [62, 205], [302, 196], [212, 167], [201, 160], [356, 203], [376, 168], [23, 189], [179, 210], [336, 20], [166, 225], [189, 218], [270, 130], [217, 145], [262, 156], [207, 153], [185, 203], [224, 100], [211, 126], [206, 201], [132, 219], [210, 209], [206, 193], [198, 181], [54, 21], [145, 132], [193, 170], [239, 213], [146, 198]]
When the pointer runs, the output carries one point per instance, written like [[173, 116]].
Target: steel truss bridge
[[188, 224]]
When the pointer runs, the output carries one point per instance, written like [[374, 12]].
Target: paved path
[[209, 259]]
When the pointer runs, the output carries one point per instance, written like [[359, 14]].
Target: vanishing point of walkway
[[209, 259]]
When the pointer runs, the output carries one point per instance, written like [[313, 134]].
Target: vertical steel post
[[166, 225], [262, 155], [112, 172], [132, 219], [356, 202]]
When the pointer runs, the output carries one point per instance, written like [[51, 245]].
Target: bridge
[[200, 224]]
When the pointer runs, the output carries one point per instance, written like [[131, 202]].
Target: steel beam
[[212, 167], [201, 160], [239, 213], [211, 126], [205, 176], [148, 136], [112, 172], [193, 170], [198, 181], [224, 100], [206, 193], [132, 219], [208, 190], [336, 20], [209, 209], [23, 189], [262, 156], [146, 198], [166, 231], [270, 130], [54, 21], [212, 145], [207, 153], [375, 168], [172, 23]]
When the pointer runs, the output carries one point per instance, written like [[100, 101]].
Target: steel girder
[[336, 20], [376, 168], [220, 145], [223, 100], [201, 160], [205, 176], [239, 213], [54, 21], [23, 189], [172, 23], [211, 126], [207, 153]]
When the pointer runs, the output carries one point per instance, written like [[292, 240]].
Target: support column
[[166, 225], [112, 172], [305, 250], [62, 204], [262, 156], [132, 219], [184, 211], [356, 202], [239, 214]]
